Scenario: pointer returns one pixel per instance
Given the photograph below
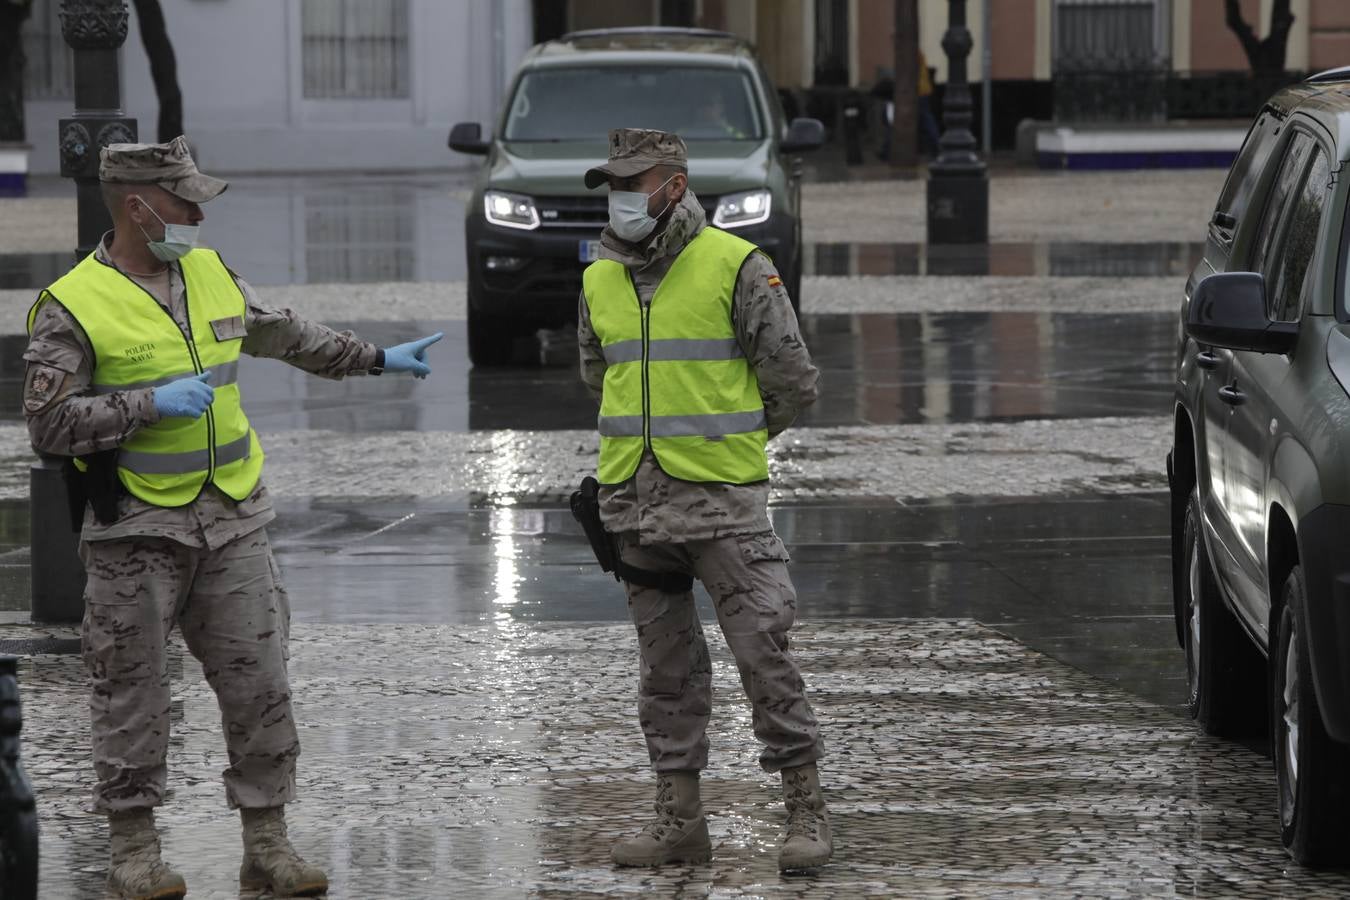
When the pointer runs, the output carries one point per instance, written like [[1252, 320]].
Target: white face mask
[[628, 216], [178, 239]]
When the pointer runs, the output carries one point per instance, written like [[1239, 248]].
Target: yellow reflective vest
[[676, 380], [137, 344]]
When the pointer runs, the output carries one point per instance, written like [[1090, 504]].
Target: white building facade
[[302, 85]]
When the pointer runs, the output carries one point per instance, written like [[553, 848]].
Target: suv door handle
[[1231, 395], [1206, 360]]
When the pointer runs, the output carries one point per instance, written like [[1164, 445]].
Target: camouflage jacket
[[65, 418], [662, 509]]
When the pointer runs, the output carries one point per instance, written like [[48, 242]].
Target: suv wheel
[[1224, 670], [491, 339], [1312, 769]]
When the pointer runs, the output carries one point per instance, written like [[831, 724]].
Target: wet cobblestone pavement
[[985, 464], [960, 764], [509, 467]]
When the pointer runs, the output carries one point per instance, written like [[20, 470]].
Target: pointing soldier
[[690, 343], [131, 373]]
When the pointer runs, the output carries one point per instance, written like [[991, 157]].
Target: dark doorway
[[550, 20], [831, 42], [677, 13]]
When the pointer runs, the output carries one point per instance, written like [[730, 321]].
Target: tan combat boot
[[807, 843], [270, 862], [136, 872], [679, 832]]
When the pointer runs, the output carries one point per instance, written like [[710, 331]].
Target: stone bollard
[[18, 813], [57, 573]]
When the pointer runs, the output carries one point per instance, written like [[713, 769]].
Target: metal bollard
[[57, 573], [18, 812], [853, 154]]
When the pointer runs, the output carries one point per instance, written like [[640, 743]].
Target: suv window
[[1296, 249], [1251, 160], [1263, 247], [582, 103]]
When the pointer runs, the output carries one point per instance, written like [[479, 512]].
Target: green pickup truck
[[1260, 462], [531, 226]]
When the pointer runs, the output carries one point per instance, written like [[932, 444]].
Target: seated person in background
[[710, 120]]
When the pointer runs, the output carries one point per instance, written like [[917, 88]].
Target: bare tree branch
[[1266, 57], [1251, 45]]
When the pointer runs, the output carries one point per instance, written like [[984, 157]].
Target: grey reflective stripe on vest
[[685, 426], [221, 375], [620, 426], [622, 352], [182, 463], [674, 349]]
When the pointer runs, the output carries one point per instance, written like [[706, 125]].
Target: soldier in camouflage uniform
[[205, 566], [717, 532]]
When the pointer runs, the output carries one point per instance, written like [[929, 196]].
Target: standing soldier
[[132, 374], [689, 341]]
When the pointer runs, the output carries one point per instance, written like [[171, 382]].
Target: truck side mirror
[[1228, 309], [803, 135], [467, 137]]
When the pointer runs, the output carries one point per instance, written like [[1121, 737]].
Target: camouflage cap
[[635, 150], [168, 165]]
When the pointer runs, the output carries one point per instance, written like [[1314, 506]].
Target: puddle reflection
[[1006, 259], [400, 235], [878, 369]]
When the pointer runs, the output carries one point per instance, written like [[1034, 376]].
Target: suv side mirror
[[803, 135], [467, 137], [1228, 309]]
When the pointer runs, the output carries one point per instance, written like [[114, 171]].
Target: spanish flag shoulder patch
[[775, 281]]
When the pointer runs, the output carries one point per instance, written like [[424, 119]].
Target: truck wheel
[[1224, 669], [1313, 770], [490, 340]]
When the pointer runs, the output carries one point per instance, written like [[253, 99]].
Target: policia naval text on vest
[[677, 384], [137, 344]]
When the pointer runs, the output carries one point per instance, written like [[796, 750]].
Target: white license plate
[[588, 251]]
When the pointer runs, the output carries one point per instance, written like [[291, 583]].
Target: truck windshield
[[576, 103]]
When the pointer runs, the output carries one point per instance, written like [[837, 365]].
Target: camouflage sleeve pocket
[[762, 547], [42, 386], [229, 329]]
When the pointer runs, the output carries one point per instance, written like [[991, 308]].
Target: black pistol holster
[[586, 510], [98, 486]]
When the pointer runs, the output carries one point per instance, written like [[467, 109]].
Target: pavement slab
[[505, 758]]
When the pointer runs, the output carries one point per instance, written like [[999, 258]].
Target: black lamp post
[[95, 29], [958, 181]]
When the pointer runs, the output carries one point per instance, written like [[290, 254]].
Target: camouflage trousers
[[756, 605], [235, 619]]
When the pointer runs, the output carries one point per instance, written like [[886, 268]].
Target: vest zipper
[[197, 362], [645, 310]]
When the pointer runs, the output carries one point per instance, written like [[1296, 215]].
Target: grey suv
[[531, 225], [1260, 465]]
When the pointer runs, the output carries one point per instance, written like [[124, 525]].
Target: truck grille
[[587, 213]]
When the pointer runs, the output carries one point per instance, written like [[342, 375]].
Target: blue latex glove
[[186, 398], [411, 357]]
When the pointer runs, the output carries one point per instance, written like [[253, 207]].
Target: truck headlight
[[745, 208], [510, 210]]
